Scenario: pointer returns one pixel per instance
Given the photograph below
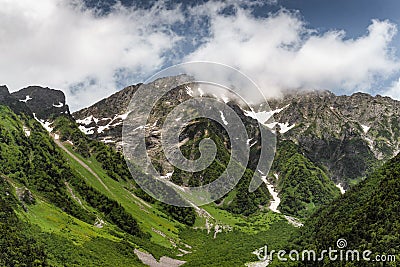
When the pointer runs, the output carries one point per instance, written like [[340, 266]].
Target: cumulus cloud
[[279, 52], [62, 44]]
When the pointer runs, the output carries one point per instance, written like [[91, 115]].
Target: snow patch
[[285, 127], [201, 92], [86, 130], [225, 99], [365, 128], [45, 124], [70, 142], [263, 116], [272, 190], [123, 116], [189, 90], [370, 143], [99, 223], [342, 191], [26, 131], [167, 176], [107, 140], [56, 136], [138, 128], [27, 98], [85, 121], [292, 220], [102, 128], [59, 105]]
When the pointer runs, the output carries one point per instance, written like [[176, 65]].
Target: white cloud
[[280, 52], [53, 43], [62, 45]]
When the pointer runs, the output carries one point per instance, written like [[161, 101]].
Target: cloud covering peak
[[64, 45]]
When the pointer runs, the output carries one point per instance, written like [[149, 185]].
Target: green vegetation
[[367, 216], [303, 186], [243, 202], [53, 223], [18, 247], [232, 248], [35, 161]]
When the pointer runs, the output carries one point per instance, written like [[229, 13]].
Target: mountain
[[69, 199], [367, 217], [344, 137], [7, 99], [103, 120], [345, 134], [46, 103]]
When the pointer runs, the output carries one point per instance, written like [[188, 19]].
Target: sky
[[93, 48]]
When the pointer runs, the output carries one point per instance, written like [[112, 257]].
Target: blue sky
[[92, 48]]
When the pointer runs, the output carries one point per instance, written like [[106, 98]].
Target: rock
[[46, 103]]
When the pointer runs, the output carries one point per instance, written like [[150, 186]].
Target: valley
[[67, 187]]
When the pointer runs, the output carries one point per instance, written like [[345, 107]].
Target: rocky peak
[[7, 99], [46, 103], [345, 134], [103, 120], [3, 92]]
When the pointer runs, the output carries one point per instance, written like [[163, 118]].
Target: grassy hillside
[[367, 216], [69, 201]]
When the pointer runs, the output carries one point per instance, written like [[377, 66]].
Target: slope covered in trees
[[367, 216], [303, 186]]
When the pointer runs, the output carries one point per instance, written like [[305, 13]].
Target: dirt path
[[149, 260], [83, 164]]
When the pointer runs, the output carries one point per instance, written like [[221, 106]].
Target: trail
[[83, 164]]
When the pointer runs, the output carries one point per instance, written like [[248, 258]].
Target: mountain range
[[68, 198]]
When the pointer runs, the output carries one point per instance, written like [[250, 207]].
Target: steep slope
[[7, 99], [346, 134], [103, 120], [341, 137], [303, 186], [51, 194], [44, 102], [17, 242], [367, 216]]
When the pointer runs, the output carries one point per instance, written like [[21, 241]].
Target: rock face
[[46, 103], [7, 99], [346, 135], [3, 92], [103, 120]]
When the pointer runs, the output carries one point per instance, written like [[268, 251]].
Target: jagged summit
[[44, 102], [9, 100], [3, 91], [346, 134]]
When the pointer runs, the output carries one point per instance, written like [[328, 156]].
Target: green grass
[[252, 224], [148, 217], [71, 242], [52, 220], [232, 248]]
